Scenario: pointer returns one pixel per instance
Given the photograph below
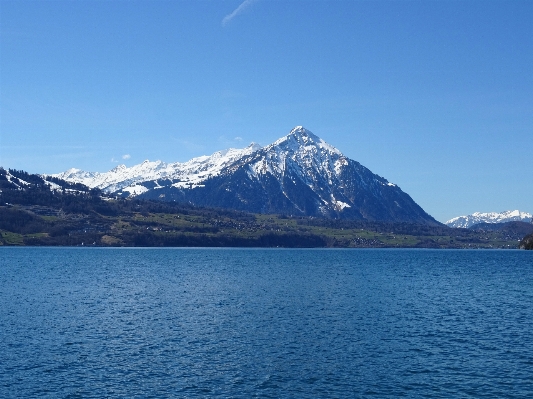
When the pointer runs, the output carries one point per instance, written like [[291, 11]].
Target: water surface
[[240, 323]]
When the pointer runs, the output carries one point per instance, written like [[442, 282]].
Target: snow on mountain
[[20, 180], [301, 155], [15, 181], [306, 151], [298, 174], [188, 174], [489, 217]]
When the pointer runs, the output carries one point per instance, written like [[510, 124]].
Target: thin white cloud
[[243, 6], [228, 142], [126, 156]]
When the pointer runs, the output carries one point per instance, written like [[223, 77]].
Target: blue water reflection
[[243, 323]]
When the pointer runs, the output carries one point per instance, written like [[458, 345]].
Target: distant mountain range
[[478, 218], [299, 174]]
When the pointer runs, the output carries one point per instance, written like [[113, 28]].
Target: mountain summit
[[489, 217], [299, 174]]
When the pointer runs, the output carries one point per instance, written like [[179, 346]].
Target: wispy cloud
[[239, 10], [239, 139], [125, 156]]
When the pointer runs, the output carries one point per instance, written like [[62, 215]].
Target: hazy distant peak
[[489, 217]]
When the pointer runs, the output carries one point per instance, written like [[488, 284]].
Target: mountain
[[299, 174], [511, 230], [490, 217], [35, 211], [12, 180], [128, 181]]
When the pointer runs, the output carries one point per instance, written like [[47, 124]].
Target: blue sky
[[435, 96]]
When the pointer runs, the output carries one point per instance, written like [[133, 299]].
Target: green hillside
[[32, 214]]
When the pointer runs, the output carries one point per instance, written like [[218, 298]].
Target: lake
[[268, 323]]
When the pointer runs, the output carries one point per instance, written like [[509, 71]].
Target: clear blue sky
[[435, 96]]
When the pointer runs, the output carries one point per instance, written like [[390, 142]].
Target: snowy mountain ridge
[[305, 147], [298, 174], [188, 174], [489, 217]]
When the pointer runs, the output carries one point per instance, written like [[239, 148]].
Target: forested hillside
[[527, 242], [35, 211]]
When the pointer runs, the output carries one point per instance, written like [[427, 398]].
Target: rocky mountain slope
[[489, 217], [299, 174]]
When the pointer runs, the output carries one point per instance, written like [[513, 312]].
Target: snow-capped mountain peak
[[298, 174], [116, 169], [302, 153], [489, 217], [300, 138]]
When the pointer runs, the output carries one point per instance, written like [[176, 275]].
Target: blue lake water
[[269, 323]]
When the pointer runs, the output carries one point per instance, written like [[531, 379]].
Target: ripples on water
[[139, 323]]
